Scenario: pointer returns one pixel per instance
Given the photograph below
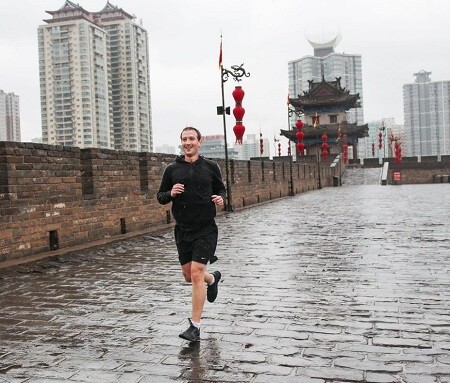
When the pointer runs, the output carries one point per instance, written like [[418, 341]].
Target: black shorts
[[197, 244]]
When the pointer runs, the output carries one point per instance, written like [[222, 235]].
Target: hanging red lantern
[[380, 140], [238, 94], [239, 131], [299, 135], [261, 144], [289, 150], [279, 150], [239, 112], [373, 149], [300, 147], [299, 124]]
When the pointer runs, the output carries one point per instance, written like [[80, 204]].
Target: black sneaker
[[192, 334], [213, 289]]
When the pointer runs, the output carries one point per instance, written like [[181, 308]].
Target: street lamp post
[[236, 72], [291, 112], [319, 181]]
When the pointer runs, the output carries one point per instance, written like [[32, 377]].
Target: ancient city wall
[[55, 197], [414, 170]]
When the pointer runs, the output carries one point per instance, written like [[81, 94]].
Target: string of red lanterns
[[380, 140], [238, 111], [398, 153], [345, 149], [261, 144], [300, 135], [324, 146]]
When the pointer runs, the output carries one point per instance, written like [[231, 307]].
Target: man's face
[[190, 143]]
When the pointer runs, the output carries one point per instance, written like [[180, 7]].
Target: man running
[[194, 186]]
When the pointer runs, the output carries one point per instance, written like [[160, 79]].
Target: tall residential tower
[[9, 117], [426, 106], [94, 76]]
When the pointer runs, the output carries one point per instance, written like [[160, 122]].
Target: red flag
[[220, 53]]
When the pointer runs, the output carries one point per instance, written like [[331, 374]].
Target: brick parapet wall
[[57, 197], [414, 170]]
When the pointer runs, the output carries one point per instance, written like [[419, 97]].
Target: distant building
[[251, 147], [9, 117], [213, 146], [426, 106], [94, 79], [326, 64], [165, 149], [391, 129], [37, 140]]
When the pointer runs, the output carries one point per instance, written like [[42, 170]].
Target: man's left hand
[[217, 199]]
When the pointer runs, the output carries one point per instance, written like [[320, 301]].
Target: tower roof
[[112, 12], [325, 93], [69, 11]]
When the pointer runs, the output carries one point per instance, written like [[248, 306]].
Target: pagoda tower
[[322, 109]]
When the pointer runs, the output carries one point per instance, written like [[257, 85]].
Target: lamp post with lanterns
[[236, 72]]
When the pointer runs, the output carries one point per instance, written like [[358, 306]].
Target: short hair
[[199, 135]]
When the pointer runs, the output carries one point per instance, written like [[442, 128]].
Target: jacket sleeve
[[163, 196], [217, 184]]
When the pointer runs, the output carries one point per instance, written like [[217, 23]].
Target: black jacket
[[201, 180]]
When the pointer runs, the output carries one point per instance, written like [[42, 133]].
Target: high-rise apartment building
[[426, 107], [9, 117], [94, 76], [328, 64]]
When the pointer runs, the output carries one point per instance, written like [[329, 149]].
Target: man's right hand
[[176, 189]]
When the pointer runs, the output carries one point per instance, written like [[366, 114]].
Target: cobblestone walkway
[[348, 284]]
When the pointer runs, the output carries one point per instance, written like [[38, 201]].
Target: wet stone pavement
[[347, 284]]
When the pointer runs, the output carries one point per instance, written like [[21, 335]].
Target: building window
[[333, 118]]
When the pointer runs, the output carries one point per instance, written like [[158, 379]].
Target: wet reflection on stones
[[341, 284]]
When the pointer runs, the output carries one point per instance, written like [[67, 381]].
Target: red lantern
[[239, 130], [238, 94], [299, 124], [238, 112], [380, 140], [289, 150], [261, 144], [373, 149], [300, 147], [279, 150], [299, 135]]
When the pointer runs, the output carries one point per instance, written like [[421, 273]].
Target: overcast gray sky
[[395, 38]]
